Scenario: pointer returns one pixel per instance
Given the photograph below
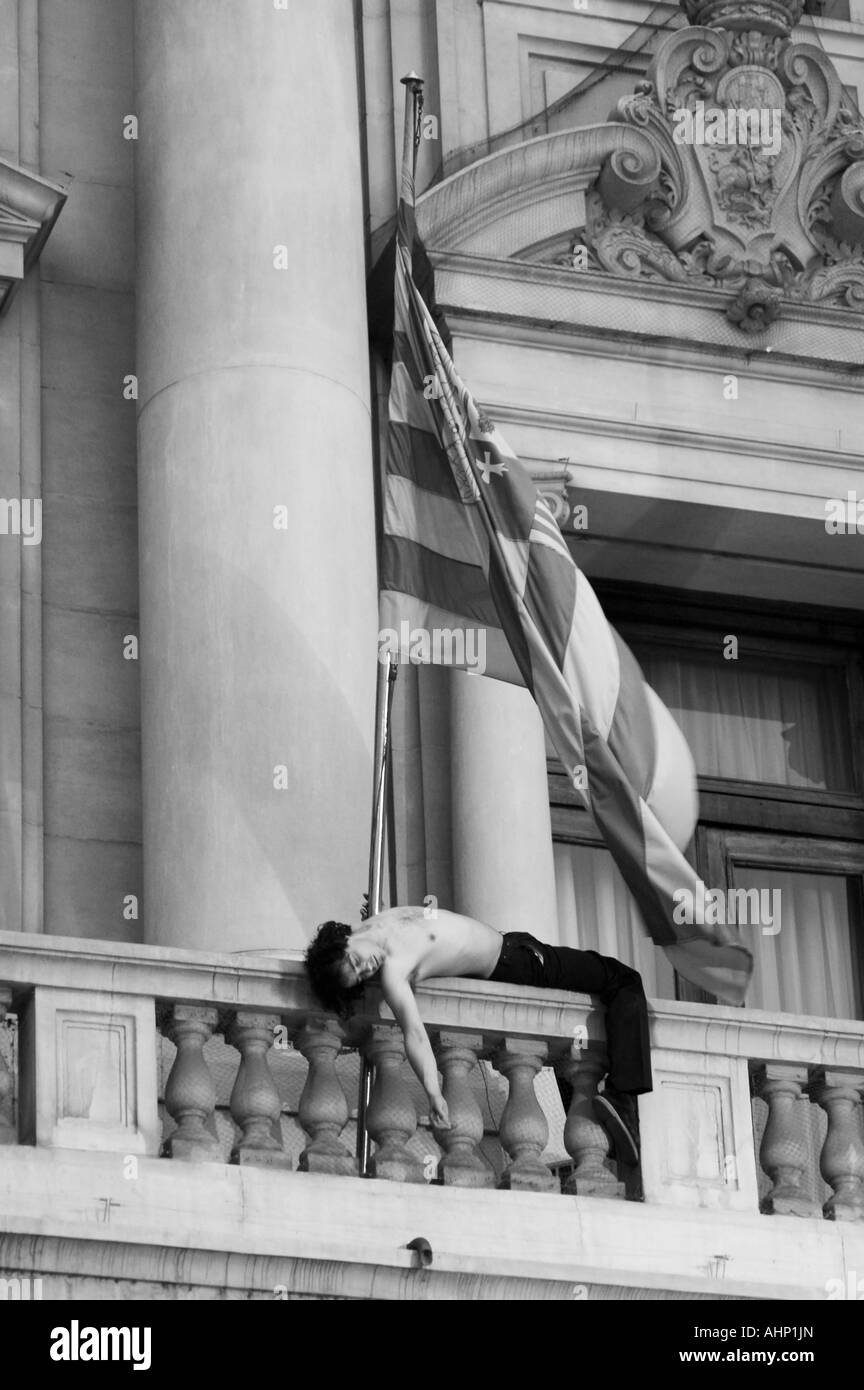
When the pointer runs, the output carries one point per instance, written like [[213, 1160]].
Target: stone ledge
[[83, 1200], [29, 207], [278, 984], [87, 1270]]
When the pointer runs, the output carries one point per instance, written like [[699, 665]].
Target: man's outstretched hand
[[438, 1113]]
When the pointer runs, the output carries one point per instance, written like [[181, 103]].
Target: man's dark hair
[[324, 960]]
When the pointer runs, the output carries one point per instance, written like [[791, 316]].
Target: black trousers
[[526, 961]]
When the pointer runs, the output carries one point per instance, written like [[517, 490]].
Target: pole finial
[[413, 81]]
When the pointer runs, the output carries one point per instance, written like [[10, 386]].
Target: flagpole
[[387, 673], [411, 135]]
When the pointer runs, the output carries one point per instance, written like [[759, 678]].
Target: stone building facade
[[669, 332]]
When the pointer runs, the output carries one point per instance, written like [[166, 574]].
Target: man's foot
[[619, 1115]]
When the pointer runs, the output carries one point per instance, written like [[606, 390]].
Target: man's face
[[362, 960]]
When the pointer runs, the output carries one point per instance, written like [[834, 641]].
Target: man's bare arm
[[400, 997]]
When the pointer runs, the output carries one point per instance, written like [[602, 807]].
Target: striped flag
[[470, 547]]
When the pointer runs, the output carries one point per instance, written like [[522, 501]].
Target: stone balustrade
[[89, 1015]]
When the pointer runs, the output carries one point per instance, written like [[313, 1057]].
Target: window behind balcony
[[774, 727], [827, 9]]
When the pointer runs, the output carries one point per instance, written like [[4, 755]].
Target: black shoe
[[619, 1116]]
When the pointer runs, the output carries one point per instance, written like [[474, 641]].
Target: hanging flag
[[475, 573]]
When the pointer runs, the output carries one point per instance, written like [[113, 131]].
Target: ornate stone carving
[[770, 16], [754, 307], [759, 187]]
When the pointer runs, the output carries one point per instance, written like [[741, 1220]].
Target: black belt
[[521, 938]]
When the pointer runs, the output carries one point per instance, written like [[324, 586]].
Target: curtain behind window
[[807, 967], [596, 912], [754, 720]]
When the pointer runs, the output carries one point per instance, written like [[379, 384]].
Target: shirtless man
[[405, 945]]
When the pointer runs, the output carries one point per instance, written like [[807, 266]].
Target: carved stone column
[[523, 1130], [463, 1165], [8, 1133], [842, 1159], [391, 1117], [323, 1109], [190, 1096], [783, 1153], [585, 1140], [255, 1104]]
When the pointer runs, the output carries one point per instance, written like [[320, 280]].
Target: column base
[[261, 1158], [183, 1150], [595, 1187], [395, 1168], [834, 1209], [467, 1172], [789, 1206], [530, 1177], [343, 1165]]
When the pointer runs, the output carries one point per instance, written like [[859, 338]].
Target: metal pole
[[386, 673], [383, 705]]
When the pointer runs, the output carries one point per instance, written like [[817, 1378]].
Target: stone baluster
[[523, 1130], [391, 1118], [585, 1140], [842, 1159], [323, 1111], [8, 1133], [783, 1153], [190, 1096], [255, 1104], [462, 1165]]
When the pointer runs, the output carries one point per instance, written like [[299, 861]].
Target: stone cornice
[[664, 436], [29, 207], [538, 172], [759, 365], [828, 339]]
